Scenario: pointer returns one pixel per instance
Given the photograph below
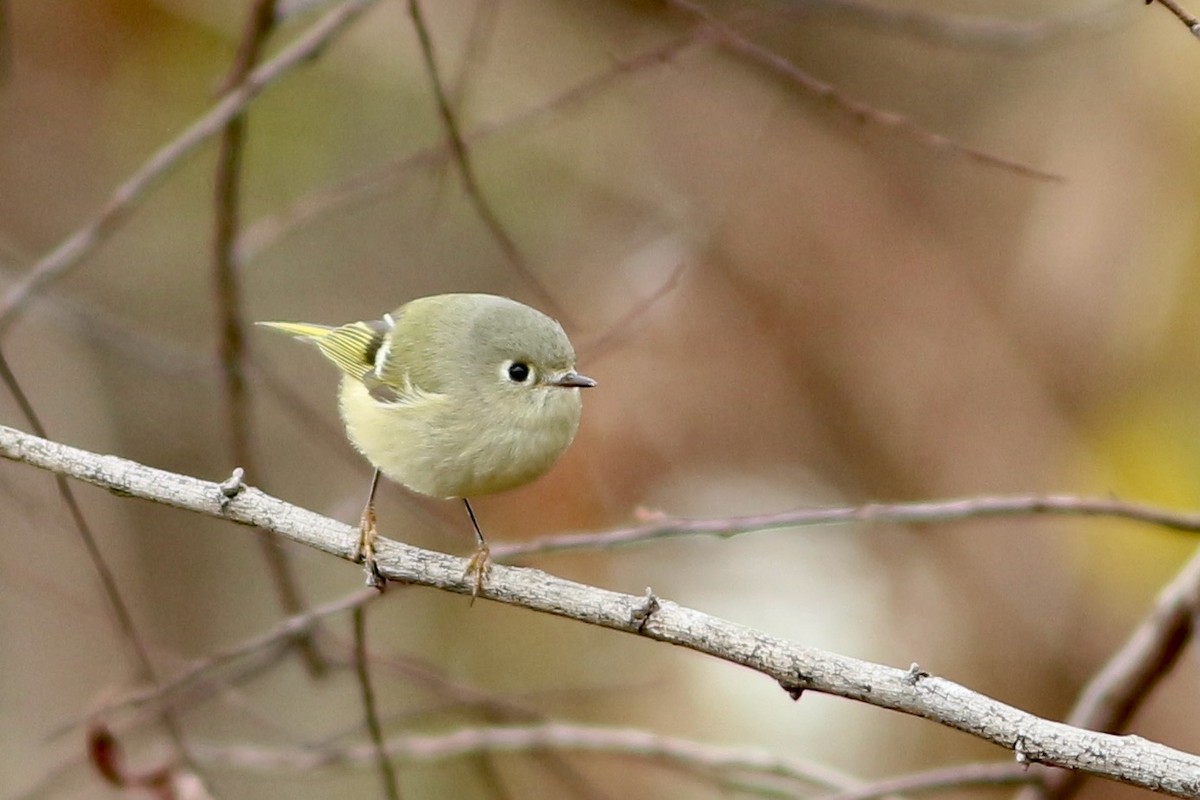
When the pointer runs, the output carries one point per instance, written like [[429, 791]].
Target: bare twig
[[920, 512], [696, 757], [267, 231], [362, 669], [278, 636], [599, 347], [458, 150], [1129, 759], [1182, 14], [254, 36], [232, 348], [265, 646], [940, 780], [108, 581], [973, 31], [68, 254], [736, 43], [479, 39], [555, 736], [1110, 699]]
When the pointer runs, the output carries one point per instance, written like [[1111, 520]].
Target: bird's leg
[[364, 548], [481, 559]]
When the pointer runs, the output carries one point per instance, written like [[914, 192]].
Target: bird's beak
[[574, 379]]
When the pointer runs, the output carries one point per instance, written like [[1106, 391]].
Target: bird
[[453, 396]]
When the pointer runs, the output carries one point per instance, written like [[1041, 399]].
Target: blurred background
[[785, 303]]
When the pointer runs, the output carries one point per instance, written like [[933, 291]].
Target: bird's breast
[[465, 446]]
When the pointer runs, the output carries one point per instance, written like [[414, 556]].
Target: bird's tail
[[301, 330], [352, 347]]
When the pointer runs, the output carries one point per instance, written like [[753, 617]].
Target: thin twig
[[906, 513], [458, 150], [1128, 759], [71, 251], [278, 636], [1129, 676], [972, 31], [494, 709], [694, 756], [108, 581], [597, 348], [554, 736], [362, 669], [1003, 773], [480, 36], [254, 36], [232, 347], [1182, 14], [736, 43], [268, 231]]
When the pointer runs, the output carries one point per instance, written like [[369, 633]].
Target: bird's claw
[[478, 568]]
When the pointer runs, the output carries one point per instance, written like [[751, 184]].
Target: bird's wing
[[406, 368], [352, 347]]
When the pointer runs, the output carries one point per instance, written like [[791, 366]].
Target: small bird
[[453, 396]]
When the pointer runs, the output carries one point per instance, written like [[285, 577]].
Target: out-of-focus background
[[843, 310]]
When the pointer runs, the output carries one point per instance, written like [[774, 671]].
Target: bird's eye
[[519, 372]]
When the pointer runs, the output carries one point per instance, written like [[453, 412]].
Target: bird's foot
[[478, 568], [364, 549]]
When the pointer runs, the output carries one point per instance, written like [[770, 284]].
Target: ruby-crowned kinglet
[[453, 396]]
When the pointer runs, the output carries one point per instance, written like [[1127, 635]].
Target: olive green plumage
[[455, 395]]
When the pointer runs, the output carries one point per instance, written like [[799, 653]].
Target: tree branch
[[627, 742], [736, 43], [1120, 688], [59, 261], [466, 170], [923, 512], [1182, 14], [1129, 759]]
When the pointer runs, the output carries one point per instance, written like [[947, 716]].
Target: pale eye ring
[[517, 371]]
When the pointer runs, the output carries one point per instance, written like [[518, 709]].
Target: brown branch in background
[[479, 39], [738, 44], [458, 149], [144, 666], [362, 670], [6, 53], [268, 645], [971, 31], [266, 232], [254, 36], [495, 709], [232, 347], [663, 527], [1125, 682], [554, 736], [276, 638], [71, 250], [1004, 773], [1181, 14], [700, 758], [298, 405], [596, 349]]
